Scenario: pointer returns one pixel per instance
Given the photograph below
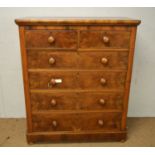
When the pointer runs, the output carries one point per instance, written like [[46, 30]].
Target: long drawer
[[76, 121], [98, 80], [77, 101], [77, 60]]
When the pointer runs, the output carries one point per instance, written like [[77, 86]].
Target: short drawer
[[73, 60], [76, 121], [53, 39], [76, 101], [98, 80], [104, 39]]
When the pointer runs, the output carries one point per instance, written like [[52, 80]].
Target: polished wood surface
[[77, 80], [77, 75], [76, 121], [107, 39], [77, 60], [77, 21], [42, 39], [76, 101]]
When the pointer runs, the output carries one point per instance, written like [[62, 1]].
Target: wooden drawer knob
[[106, 39], [103, 81], [100, 122], [51, 83], [54, 82], [53, 102], [51, 61], [54, 123], [104, 61], [51, 39], [102, 101]]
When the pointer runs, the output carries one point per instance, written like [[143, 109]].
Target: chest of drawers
[[77, 75]]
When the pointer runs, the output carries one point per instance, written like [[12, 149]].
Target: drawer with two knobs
[[76, 121]]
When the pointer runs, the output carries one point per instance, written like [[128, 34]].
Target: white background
[[142, 96]]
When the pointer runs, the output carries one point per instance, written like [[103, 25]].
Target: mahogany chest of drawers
[[77, 75]]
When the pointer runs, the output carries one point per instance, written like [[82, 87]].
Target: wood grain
[[77, 21], [76, 101], [128, 77], [62, 39], [95, 39], [77, 75], [77, 60], [25, 78], [76, 122], [78, 79]]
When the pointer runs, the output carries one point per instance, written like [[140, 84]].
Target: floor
[[141, 132]]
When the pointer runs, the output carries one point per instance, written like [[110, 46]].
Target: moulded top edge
[[76, 21]]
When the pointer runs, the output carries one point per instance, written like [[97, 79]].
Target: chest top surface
[[76, 21]]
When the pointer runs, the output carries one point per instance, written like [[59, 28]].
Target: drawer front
[[103, 60], [76, 121], [54, 39], [102, 80], [46, 59], [76, 101], [53, 80], [104, 39], [83, 80], [54, 101], [82, 60], [100, 101]]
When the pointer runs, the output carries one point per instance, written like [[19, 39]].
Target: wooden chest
[[77, 75]]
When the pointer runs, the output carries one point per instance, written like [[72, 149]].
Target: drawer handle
[[54, 123], [102, 101], [53, 102], [51, 39], [51, 61], [104, 61], [54, 82], [100, 122], [103, 81], [106, 39]]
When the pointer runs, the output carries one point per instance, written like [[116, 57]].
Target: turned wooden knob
[[54, 123], [51, 61], [100, 122], [51, 39], [106, 39], [53, 102], [102, 101], [52, 81], [103, 81], [104, 61]]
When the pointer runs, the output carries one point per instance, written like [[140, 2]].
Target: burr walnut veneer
[[77, 75]]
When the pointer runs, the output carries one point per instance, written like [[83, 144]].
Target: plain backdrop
[[142, 96]]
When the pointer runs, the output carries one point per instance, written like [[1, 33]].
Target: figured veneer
[[77, 60], [77, 75], [77, 101]]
